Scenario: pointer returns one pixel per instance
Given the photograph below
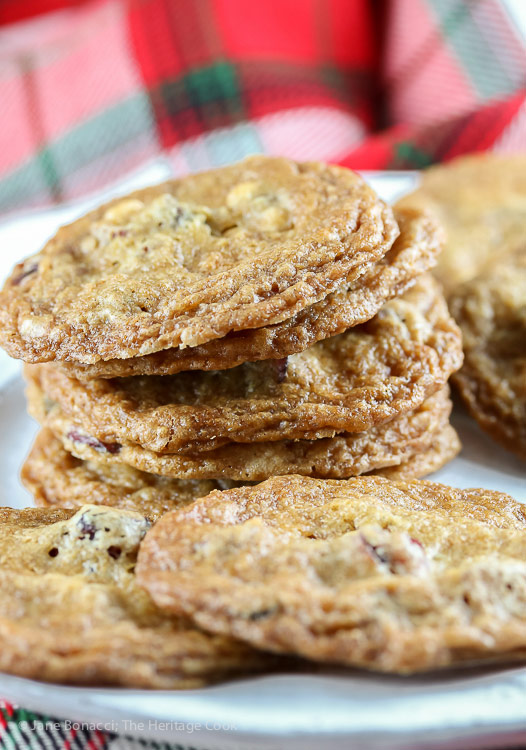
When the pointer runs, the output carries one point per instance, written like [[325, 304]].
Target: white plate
[[462, 709]]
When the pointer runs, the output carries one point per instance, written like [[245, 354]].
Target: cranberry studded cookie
[[392, 576], [192, 260], [414, 252], [71, 609]]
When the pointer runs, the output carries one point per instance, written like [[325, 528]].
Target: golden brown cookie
[[444, 447], [57, 479], [388, 444], [348, 383], [491, 311], [414, 252], [71, 610], [481, 203], [194, 259], [392, 576]]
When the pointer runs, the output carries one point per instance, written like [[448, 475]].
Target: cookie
[[445, 446], [71, 610], [392, 576], [491, 311], [348, 383], [57, 479], [413, 253], [390, 444], [194, 259], [481, 203]]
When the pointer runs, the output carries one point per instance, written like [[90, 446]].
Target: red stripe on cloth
[[71, 736], [17, 10], [97, 741], [376, 151], [152, 39], [275, 29], [8, 707], [481, 129], [411, 147], [355, 30], [196, 32], [102, 740], [168, 40]]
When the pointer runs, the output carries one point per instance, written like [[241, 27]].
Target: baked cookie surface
[[55, 476], [481, 203], [348, 383], [444, 446], [393, 576], [413, 253], [191, 260], [491, 312], [58, 479], [71, 610]]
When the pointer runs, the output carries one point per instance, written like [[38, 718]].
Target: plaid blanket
[[97, 88], [21, 730]]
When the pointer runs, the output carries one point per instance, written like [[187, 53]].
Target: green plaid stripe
[[104, 135], [203, 88]]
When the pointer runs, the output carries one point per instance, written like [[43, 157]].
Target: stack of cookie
[[263, 319]]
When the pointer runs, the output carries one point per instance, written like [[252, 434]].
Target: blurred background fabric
[[93, 89]]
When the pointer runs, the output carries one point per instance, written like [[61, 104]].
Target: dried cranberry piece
[[280, 368], [400, 558], [78, 437], [27, 272], [373, 551], [86, 528], [114, 552]]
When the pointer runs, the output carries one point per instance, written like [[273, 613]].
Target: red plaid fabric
[[111, 84], [96, 88]]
